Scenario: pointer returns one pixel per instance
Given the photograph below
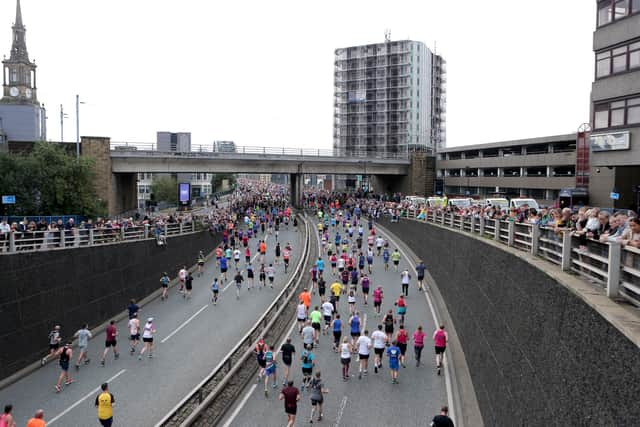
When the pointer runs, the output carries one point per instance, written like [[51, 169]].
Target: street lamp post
[[63, 116], [78, 102]]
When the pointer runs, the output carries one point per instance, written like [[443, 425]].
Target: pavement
[[192, 337], [372, 400]]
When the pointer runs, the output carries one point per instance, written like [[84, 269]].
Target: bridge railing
[[31, 241], [608, 265], [150, 148]]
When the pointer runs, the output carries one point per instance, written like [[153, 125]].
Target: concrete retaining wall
[[538, 354], [75, 286]]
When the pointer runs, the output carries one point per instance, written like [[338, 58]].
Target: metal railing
[[608, 265], [30, 241], [209, 150], [208, 401]]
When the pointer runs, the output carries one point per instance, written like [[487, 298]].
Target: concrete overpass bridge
[[117, 166]]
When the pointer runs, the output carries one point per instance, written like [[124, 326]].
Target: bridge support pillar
[[295, 187], [420, 180]]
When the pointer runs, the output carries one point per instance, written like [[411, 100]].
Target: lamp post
[[63, 116], [78, 102]]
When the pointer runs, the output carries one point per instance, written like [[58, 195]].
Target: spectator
[[631, 235]]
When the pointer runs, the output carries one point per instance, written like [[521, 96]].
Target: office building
[[22, 118], [179, 142], [389, 99], [615, 105]]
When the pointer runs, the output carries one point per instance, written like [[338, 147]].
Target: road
[[373, 400], [192, 338]]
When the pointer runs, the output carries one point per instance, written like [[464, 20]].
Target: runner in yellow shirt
[[104, 403], [336, 290]]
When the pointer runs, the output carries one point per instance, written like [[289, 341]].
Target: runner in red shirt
[[290, 395], [110, 341], [440, 339]]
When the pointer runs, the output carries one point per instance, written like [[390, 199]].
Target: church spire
[[19, 45]]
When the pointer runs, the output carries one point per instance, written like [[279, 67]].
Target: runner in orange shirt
[[305, 297]]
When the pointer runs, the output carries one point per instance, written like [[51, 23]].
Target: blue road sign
[[614, 196], [9, 200]]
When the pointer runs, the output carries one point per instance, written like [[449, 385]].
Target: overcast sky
[[261, 72]]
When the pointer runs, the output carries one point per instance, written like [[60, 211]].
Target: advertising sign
[[184, 193], [9, 200], [610, 141]]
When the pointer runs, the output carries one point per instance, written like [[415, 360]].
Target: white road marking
[[343, 404], [183, 324], [447, 375], [88, 395], [244, 400]]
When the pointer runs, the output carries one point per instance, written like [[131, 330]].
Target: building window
[[617, 113], [604, 13], [614, 10], [618, 60]]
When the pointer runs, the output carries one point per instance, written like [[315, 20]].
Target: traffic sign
[[9, 200]]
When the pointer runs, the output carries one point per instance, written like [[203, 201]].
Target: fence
[[30, 241], [609, 265]]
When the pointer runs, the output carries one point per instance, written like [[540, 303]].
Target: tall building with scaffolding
[[389, 99]]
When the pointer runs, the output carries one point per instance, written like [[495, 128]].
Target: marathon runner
[[287, 350], [164, 281], [134, 333], [65, 354], [440, 339], [363, 345], [84, 335], [110, 342], [215, 290], [147, 338], [394, 357]]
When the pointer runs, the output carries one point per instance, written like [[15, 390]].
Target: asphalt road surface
[[372, 400], [192, 337]]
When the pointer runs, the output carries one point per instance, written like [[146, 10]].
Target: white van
[[416, 200], [502, 204], [516, 203], [461, 203]]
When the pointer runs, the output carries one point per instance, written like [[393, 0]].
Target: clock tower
[[19, 74]]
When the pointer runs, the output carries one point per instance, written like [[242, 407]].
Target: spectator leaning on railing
[[631, 237]]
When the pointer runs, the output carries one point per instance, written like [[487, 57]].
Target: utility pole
[[78, 126], [63, 116]]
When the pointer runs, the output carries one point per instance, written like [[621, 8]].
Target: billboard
[[610, 141], [184, 193]]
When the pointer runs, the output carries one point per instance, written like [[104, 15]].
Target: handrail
[[212, 384], [608, 264]]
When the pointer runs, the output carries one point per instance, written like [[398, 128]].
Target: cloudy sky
[[261, 72]]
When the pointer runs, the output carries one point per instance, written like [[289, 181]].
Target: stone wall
[[97, 148], [75, 286], [538, 354]]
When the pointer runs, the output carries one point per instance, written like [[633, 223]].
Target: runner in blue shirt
[[393, 352], [215, 289], [420, 268], [385, 257], [223, 267], [307, 359], [320, 266]]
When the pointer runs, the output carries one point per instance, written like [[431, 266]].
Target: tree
[[218, 178], [49, 181], [165, 189]]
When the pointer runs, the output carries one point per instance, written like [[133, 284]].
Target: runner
[[215, 289], [394, 355], [262, 277], [188, 286], [308, 335], [182, 274], [364, 348], [315, 316], [314, 276], [6, 419], [260, 351], [200, 263], [377, 299], [247, 255], [286, 255], [333, 259], [354, 324], [164, 281], [54, 343], [389, 320], [336, 327], [236, 257], [327, 313], [370, 260], [401, 339], [365, 283], [308, 362], [442, 420], [402, 308], [134, 333], [420, 269], [345, 356], [322, 287], [104, 403], [238, 279], [277, 251], [317, 398], [290, 395], [301, 315], [395, 257], [305, 297], [133, 308], [218, 254], [418, 343], [84, 335], [379, 244], [249, 276], [380, 340], [37, 420], [287, 350], [351, 299], [65, 354], [269, 371], [385, 258], [340, 262], [147, 338], [224, 267], [406, 278], [271, 275], [110, 342], [440, 339]]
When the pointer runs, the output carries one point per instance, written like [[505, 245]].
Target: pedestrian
[[291, 396], [134, 333], [104, 403], [164, 281], [147, 338], [393, 352], [84, 335], [287, 350], [110, 342], [54, 343], [37, 420], [440, 339], [65, 354], [363, 345], [215, 290], [317, 398], [418, 343], [6, 419], [405, 278], [188, 286], [345, 357], [442, 420]]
